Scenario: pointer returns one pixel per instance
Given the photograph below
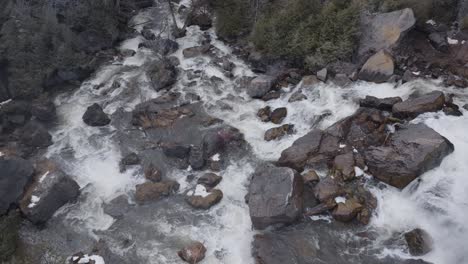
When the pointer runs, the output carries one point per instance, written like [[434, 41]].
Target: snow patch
[[86, 259], [452, 41], [215, 157], [358, 172], [431, 22], [5, 102], [342, 145], [44, 176], [340, 199], [200, 190], [34, 201]]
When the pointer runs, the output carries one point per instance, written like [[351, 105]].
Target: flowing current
[[92, 155]]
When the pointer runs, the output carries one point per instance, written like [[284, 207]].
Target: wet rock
[[384, 31], [277, 133], [465, 107], [209, 180], [408, 76], [201, 199], [153, 174], [264, 114], [341, 80], [175, 150], [95, 116], [296, 156], [152, 191], [162, 46], [15, 174], [452, 110], [310, 177], [327, 189], [35, 135], [347, 211], [43, 109], [275, 196], [52, 190], [196, 158], [127, 53], [412, 150], [297, 96], [196, 51], [9, 226], [162, 74], [193, 253], [215, 141], [322, 75], [271, 95], [378, 68], [260, 86], [310, 80], [117, 207], [384, 104], [321, 208], [148, 34], [130, 159], [343, 166], [278, 115], [431, 102], [419, 242], [439, 41], [203, 20]]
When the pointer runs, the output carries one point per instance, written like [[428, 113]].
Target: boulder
[[347, 211], [203, 20], [196, 51], [9, 227], [148, 34], [153, 174], [439, 41], [327, 189], [277, 133], [260, 86], [192, 253], [384, 104], [297, 96], [209, 180], [275, 196], [200, 198], [44, 197], [175, 150], [322, 75], [310, 177], [130, 159], [43, 109], [343, 166], [419, 242], [196, 158], [320, 208], [431, 102], [152, 191], [271, 95], [15, 174], [296, 156], [310, 80], [95, 116], [264, 114], [278, 115], [412, 150], [378, 68], [384, 31], [117, 207], [162, 74], [35, 135]]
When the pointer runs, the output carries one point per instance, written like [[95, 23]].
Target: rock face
[[411, 151], [384, 31], [162, 75], [260, 86], [411, 108], [152, 191], [193, 253], [384, 104], [275, 196], [95, 116], [15, 174], [419, 242], [378, 68], [52, 190]]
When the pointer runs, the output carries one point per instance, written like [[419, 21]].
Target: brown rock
[[278, 132], [151, 191], [205, 201], [344, 166], [411, 108], [153, 174], [328, 188], [209, 180], [310, 80], [278, 115], [347, 211], [378, 68], [419, 242], [264, 114], [193, 253], [310, 177]]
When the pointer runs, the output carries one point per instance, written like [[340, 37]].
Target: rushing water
[[91, 155]]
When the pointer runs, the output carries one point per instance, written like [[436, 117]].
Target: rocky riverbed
[[177, 150]]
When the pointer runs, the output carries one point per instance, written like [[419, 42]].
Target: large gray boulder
[[410, 152], [378, 68], [275, 196], [411, 108], [384, 31], [296, 156], [260, 86], [15, 174], [51, 190]]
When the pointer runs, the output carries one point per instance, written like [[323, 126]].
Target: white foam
[[452, 41], [340, 199], [34, 201], [86, 259]]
